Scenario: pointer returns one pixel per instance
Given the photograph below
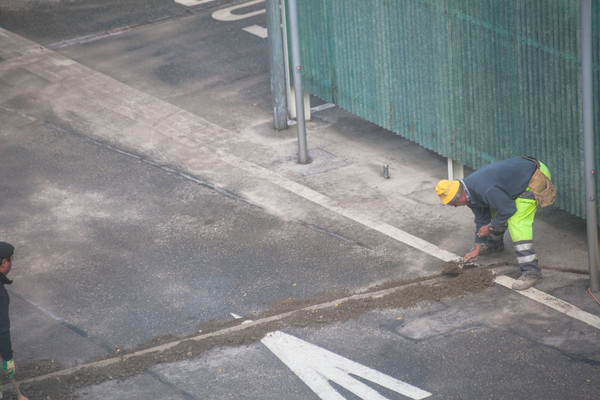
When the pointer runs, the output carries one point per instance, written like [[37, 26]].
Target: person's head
[[451, 193], [6, 256]]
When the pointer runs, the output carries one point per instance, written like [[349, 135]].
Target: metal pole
[[298, 93], [286, 58], [588, 143], [277, 65]]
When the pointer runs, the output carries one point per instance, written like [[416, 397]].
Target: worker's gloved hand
[[472, 255], [8, 367]]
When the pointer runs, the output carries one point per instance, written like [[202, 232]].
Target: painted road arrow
[[316, 366]]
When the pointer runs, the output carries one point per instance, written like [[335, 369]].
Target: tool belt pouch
[[543, 190]]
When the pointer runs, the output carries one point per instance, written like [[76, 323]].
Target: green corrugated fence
[[473, 80]]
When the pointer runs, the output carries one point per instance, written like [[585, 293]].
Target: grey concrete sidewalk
[[342, 190]]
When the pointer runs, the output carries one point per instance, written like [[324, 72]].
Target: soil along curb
[[63, 383]]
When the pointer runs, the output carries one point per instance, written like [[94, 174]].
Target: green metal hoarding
[[473, 80]]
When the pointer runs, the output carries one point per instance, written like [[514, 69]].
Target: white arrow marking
[[257, 30], [226, 15], [315, 366]]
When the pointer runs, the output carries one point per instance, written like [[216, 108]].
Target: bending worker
[[500, 196]]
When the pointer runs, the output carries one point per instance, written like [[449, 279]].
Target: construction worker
[[8, 364], [500, 197]]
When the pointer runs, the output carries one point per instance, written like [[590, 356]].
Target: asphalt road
[[132, 229], [51, 21], [118, 247]]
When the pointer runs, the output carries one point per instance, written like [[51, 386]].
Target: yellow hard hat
[[447, 190]]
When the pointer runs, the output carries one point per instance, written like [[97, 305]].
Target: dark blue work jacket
[[496, 186]]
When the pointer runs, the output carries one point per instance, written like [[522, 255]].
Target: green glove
[[8, 367]]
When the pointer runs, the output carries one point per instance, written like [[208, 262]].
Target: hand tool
[[456, 267]]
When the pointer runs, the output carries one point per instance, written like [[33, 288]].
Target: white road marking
[[316, 366], [322, 107], [333, 205], [226, 15], [191, 3], [257, 30], [239, 317], [552, 302]]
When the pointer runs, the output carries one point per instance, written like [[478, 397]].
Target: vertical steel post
[[277, 64], [298, 92], [587, 84], [286, 53]]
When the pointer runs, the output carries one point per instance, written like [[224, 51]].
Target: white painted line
[[552, 302], [333, 205], [322, 107], [316, 366], [236, 316], [191, 3], [257, 30], [226, 15]]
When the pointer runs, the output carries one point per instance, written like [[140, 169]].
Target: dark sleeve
[[503, 204], [482, 217], [5, 342]]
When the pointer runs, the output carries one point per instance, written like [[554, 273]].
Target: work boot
[[488, 249], [525, 282]]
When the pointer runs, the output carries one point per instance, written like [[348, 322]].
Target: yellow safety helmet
[[447, 190]]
